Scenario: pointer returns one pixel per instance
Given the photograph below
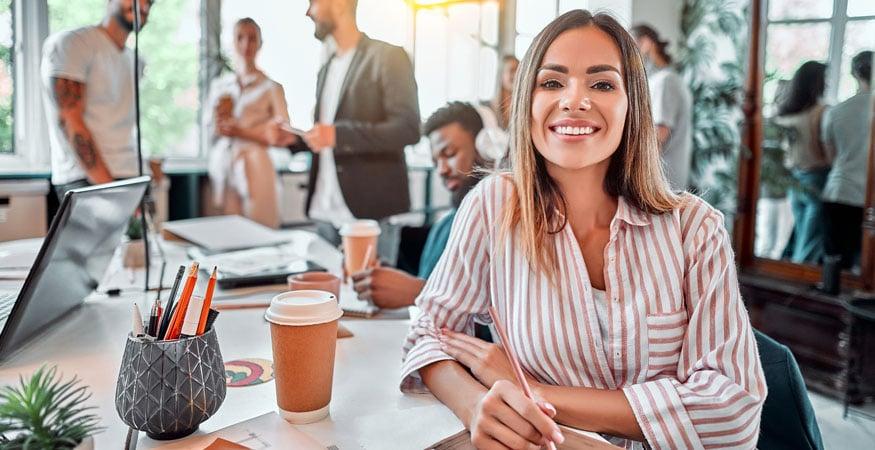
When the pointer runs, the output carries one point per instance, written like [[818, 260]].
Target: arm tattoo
[[84, 147], [68, 93]]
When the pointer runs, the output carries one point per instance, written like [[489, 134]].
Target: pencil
[[514, 362], [182, 305], [205, 308], [168, 308]]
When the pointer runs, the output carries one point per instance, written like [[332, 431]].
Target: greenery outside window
[[7, 85], [169, 91]]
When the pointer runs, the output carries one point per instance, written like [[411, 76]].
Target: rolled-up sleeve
[[456, 290], [717, 397]]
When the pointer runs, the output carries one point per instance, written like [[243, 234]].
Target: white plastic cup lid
[[361, 228], [299, 308]]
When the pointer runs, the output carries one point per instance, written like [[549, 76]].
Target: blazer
[[377, 116]]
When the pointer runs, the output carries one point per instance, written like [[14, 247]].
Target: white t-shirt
[[327, 203], [87, 55], [673, 108]]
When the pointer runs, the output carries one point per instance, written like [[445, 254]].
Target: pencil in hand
[[515, 365]]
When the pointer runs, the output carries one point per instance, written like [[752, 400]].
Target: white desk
[[366, 406]]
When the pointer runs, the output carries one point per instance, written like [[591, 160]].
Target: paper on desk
[[224, 233], [352, 306], [267, 431], [387, 431]]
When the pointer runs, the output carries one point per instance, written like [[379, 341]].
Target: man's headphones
[[492, 141]]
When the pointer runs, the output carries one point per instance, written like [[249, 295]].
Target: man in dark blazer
[[367, 111]]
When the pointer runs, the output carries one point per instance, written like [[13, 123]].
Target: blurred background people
[[671, 103], [88, 95], [800, 111], [451, 132], [367, 111], [846, 140], [500, 105], [243, 105]]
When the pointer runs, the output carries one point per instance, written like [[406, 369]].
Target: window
[[533, 15], [169, 87], [834, 30], [7, 85], [456, 54]]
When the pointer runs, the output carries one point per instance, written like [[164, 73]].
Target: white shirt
[[673, 108], [327, 203], [87, 55]]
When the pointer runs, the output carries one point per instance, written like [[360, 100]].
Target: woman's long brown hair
[[537, 210]]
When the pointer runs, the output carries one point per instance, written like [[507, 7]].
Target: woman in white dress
[[245, 104]]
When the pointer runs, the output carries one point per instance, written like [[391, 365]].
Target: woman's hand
[[228, 127], [505, 418], [488, 362]]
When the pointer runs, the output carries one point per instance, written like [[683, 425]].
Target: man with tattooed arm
[[88, 93]]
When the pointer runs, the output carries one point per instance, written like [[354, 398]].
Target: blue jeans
[[808, 215]]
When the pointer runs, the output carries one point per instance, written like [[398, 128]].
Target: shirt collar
[[630, 214]]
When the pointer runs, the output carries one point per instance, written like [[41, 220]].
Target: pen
[[152, 329], [211, 318], [136, 321], [182, 305], [168, 308], [514, 362], [208, 298]]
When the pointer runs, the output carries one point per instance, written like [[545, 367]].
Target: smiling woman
[[620, 298]]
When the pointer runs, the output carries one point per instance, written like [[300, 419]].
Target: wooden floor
[[853, 432]]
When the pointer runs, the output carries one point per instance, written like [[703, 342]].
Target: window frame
[[838, 22]]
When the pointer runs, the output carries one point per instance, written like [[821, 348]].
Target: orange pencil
[[182, 305], [205, 309]]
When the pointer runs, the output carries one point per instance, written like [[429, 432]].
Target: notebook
[[263, 432], [574, 439]]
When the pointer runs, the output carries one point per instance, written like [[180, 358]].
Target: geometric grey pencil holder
[[167, 388]]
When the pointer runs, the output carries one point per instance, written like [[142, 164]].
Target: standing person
[[500, 105], [800, 112], [846, 140], [451, 131], [672, 106], [367, 111], [88, 94], [620, 297], [244, 104]]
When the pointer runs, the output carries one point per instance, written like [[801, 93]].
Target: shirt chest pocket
[[665, 335]]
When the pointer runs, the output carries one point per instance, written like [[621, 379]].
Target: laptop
[[73, 257]]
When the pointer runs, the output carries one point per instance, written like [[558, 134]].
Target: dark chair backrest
[[788, 420]]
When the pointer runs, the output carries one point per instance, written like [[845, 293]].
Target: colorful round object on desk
[[248, 372]]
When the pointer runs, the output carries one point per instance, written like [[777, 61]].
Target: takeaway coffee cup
[[358, 238], [303, 330], [315, 281]]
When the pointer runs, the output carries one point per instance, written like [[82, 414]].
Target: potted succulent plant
[[134, 249], [46, 412]]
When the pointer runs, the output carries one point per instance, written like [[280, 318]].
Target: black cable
[[146, 200]]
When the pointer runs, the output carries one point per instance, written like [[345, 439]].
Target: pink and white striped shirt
[[677, 339]]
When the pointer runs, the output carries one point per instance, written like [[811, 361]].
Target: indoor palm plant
[[46, 412], [713, 49]]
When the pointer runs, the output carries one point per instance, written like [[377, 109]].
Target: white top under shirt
[[87, 55], [328, 204]]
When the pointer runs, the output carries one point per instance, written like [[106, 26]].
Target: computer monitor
[[73, 258]]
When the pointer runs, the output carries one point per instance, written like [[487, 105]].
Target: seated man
[[451, 130]]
